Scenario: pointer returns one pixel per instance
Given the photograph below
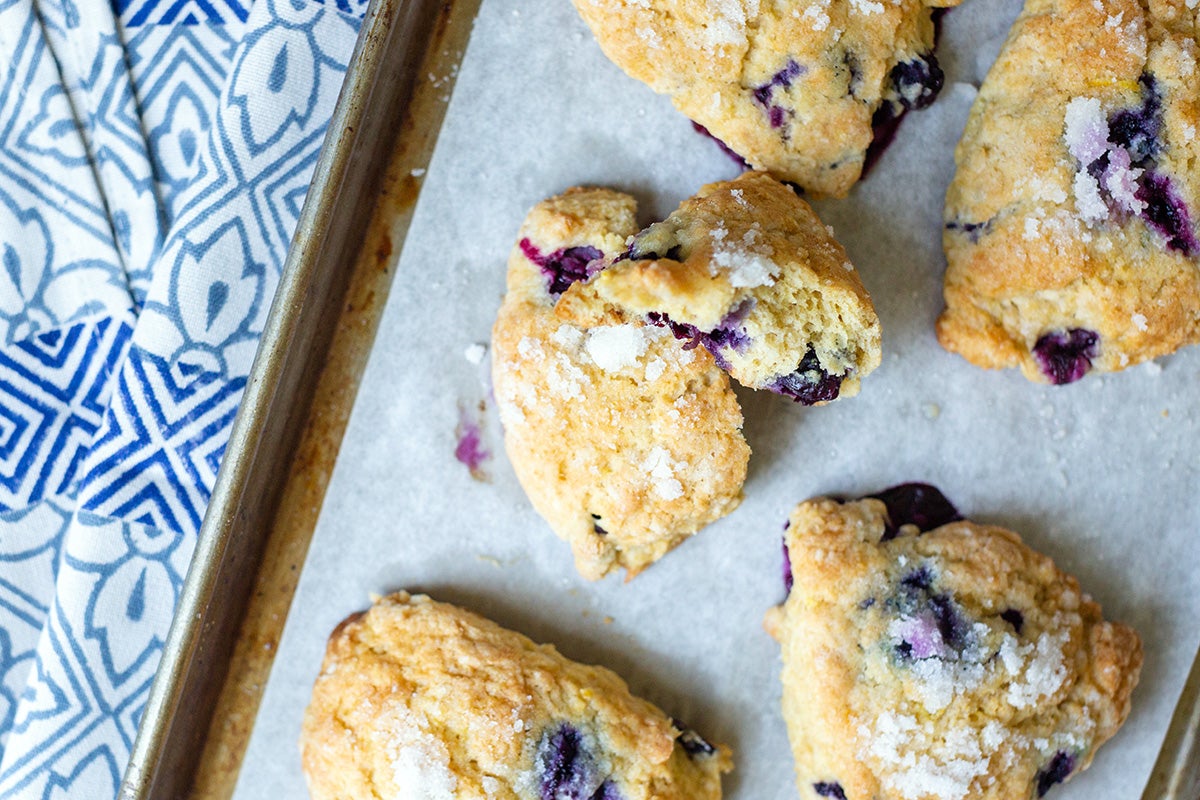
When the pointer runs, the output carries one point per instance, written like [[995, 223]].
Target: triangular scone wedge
[[747, 269], [624, 441], [945, 664], [419, 699], [800, 89], [1072, 235]]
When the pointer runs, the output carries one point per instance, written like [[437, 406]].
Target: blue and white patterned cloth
[[154, 156]]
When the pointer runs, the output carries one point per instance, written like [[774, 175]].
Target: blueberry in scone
[[419, 699], [1071, 225], [625, 441], [747, 269], [926, 657], [798, 89]]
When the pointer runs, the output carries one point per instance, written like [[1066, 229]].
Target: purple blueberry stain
[[567, 771], [809, 384], [1015, 618], [933, 630], [730, 334], [854, 72], [1127, 161], [782, 79], [726, 149], [1054, 773], [469, 449], [695, 745], [829, 789], [607, 791], [884, 124], [1138, 129], [918, 504], [563, 267], [596, 528], [920, 579], [1166, 213], [1066, 356], [916, 83], [972, 230], [930, 624], [788, 578]]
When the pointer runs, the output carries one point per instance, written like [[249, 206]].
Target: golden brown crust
[[791, 87], [1037, 242], [940, 666], [625, 442], [422, 699]]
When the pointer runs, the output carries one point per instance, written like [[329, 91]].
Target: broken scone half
[[747, 269], [420, 699], [931, 658], [626, 441]]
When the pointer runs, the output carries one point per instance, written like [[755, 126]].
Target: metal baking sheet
[[320, 326], [1088, 473]]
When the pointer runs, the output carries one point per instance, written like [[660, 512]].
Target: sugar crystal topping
[[420, 762], [661, 468], [747, 262], [615, 347]]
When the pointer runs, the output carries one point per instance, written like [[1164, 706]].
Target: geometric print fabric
[[154, 157]]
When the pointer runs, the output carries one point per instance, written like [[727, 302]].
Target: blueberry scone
[[795, 88], [418, 699], [1071, 225], [926, 657], [625, 441], [747, 269]]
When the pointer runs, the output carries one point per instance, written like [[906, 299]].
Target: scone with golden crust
[[1071, 225], [419, 699], [929, 658], [746, 268], [625, 442], [795, 88]]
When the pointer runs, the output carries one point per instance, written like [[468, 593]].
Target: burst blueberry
[[1166, 213], [1066, 356], [1013, 617], [567, 770], [810, 383], [919, 579], [730, 334], [918, 81], [915, 504], [781, 79], [563, 267], [1138, 129], [693, 743], [952, 626], [777, 114], [829, 789], [788, 578], [973, 230], [1057, 771]]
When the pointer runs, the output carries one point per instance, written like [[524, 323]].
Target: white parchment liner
[[1101, 474]]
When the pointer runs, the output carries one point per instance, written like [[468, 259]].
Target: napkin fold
[[154, 157]]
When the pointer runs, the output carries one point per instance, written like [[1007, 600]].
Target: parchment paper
[[1099, 474]]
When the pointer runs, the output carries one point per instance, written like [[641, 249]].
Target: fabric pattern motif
[[154, 158]]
